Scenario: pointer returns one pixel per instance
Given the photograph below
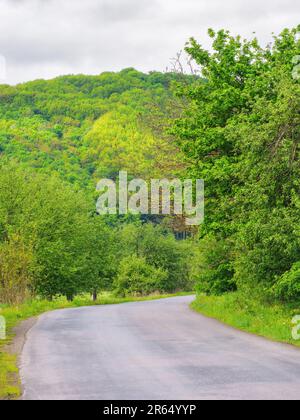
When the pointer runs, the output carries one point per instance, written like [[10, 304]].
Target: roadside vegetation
[[54, 244], [241, 133], [271, 320]]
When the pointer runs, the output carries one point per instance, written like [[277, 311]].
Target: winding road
[[152, 350]]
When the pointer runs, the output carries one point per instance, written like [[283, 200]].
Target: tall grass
[[273, 321]]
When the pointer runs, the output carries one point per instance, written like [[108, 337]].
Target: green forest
[[235, 125], [57, 139]]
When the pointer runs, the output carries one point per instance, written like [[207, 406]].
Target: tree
[[54, 221], [240, 133], [160, 249], [16, 267], [137, 277]]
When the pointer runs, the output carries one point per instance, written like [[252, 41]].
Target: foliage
[[247, 313], [52, 243], [241, 134], [15, 270], [160, 250], [137, 277], [287, 286], [57, 139], [117, 142], [212, 270], [53, 223], [86, 127]]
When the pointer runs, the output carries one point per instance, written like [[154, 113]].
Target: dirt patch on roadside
[[20, 333], [17, 344]]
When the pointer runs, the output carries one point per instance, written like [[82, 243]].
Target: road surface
[[152, 350]]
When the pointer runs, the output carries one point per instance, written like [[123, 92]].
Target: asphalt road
[[152, 350]]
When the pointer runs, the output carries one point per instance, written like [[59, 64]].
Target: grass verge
[[9, 378], [270, 321]]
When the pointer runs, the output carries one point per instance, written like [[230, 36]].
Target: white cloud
[[45, 38]]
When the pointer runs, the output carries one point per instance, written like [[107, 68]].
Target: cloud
[[45, 38], [129, 10]]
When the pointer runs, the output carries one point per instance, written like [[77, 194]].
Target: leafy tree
[[137, 277], [55, 222], [240, 133], [16, 267], [160, 250]]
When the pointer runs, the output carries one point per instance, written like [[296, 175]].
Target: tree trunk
[[95, 295], [70, 297]]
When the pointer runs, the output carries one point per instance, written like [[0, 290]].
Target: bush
[[212, 268], [288, 286], [161, 250], [137, 277]]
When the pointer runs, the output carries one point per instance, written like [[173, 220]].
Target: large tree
[[240, 132]]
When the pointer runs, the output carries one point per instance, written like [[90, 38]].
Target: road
[[152, 350]]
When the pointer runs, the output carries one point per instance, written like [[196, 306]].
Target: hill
[[86, 127]]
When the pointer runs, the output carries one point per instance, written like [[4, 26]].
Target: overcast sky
[[46, 38]]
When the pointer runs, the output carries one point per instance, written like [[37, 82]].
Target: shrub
[[212, 271], [137, 277], [161, 250], [288, 286]]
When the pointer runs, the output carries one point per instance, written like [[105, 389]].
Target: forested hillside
[[88, 127], [57, 139]]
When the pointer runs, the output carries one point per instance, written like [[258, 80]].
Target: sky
[[47, 38]]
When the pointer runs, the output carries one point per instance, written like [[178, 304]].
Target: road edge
[[16, 346], [245, 331]]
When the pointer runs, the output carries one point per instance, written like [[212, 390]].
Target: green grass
[[273, 321], [9, 379]]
